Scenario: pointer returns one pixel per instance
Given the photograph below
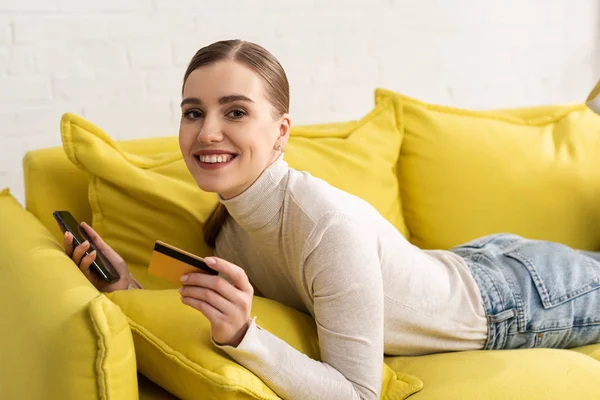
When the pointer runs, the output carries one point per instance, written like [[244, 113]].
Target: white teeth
[[213, 159]]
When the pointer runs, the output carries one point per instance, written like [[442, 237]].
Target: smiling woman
[[302, 242], [234, 120]]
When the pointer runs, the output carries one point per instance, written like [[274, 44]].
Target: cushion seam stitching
[[185, 362], [101, 358]]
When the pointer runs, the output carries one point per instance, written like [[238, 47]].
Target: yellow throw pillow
[[530, 171], [173, 347], [60, 338], [358, 157], [137, 199]]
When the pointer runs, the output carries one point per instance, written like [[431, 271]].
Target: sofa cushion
[[53, 182], [532, 374], [532, 171], [592, 350], [137, 199], [115, 360], [60, 338], [174, 349]]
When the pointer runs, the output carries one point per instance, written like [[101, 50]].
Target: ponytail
[[214, 223]]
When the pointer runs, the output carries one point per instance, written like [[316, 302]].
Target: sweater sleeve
[[343, 277]]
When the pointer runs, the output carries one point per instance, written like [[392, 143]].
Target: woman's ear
[[285, 128]]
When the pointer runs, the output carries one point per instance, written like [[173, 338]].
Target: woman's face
[[229, 132]]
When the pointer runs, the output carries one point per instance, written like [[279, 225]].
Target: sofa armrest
[[58, 332]]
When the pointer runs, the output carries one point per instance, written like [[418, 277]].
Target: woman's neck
[[237, 192], [261, 201]]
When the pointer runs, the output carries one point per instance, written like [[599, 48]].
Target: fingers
[[86, 262], [94, 237], [209, 296], [83, 261], [212, 282], [79, 252], [68, 242], [218, 292], [205, 308], [237, 275]]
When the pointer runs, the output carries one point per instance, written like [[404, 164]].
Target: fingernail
[[86, 243], [210, 261], [180, 290], [184, 278], [93, 253]]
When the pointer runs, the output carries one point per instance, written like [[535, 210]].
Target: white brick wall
[[120, 63]]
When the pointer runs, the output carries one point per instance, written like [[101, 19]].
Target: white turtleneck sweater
[[313, 247]]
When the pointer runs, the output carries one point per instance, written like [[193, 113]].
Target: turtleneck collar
[[262, 201]]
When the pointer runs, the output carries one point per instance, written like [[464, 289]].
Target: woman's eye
[[236, 114], [192, 114]]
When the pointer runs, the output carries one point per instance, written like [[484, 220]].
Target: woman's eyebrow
[[191, 100], [223, 100], [234, 97]]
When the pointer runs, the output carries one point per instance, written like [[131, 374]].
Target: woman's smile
[[214, 159]]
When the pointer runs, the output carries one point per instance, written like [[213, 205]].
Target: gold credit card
[[170, 263]]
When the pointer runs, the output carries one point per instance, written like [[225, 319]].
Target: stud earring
[[280, 148]]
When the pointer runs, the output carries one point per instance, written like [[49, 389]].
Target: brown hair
[[277, 91]]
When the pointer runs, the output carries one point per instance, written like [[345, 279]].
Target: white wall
[[119, 63]]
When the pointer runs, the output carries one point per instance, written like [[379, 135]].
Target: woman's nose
[[210, 132]]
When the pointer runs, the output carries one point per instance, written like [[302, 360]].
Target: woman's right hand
[[84, 261]]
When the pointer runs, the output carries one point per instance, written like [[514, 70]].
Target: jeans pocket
[[559, 273]]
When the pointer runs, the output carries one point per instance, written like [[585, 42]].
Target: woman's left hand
[[226, 305]]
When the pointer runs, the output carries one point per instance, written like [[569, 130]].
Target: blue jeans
[[536, 293]]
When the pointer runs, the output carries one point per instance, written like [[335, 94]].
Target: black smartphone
[[101, 265]]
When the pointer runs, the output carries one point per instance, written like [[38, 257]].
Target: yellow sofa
[[61, 339]]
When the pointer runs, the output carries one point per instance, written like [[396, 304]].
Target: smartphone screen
[[101, 265]]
